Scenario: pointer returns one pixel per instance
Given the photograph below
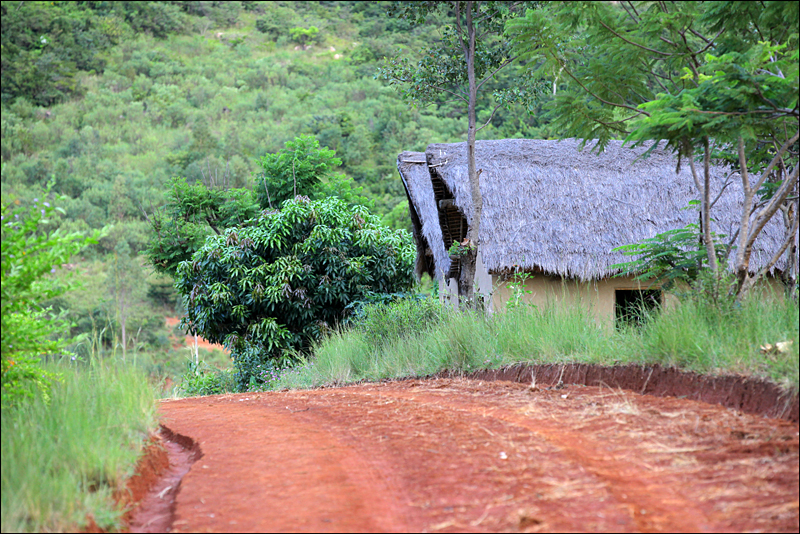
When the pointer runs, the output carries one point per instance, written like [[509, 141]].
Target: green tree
[[297, 169], [276, 282], [460, 67], [305, 35], [192, 213], [127, 287], [31, 251], [716, 80]]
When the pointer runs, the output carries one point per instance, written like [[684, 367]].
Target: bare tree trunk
[[710, 251], [790, 220], [123, 320], [751, 229], [468, 267]]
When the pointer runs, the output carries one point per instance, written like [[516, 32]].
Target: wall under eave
[[597, 296]]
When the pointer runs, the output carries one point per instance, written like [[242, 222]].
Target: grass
[[416, 339], [62, 461]]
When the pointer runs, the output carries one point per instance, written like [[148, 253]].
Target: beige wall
[[541, 289], [597, 296]]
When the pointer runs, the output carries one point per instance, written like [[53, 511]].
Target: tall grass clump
[[418, 338], [704, 337], [358, 350], [62, 458]]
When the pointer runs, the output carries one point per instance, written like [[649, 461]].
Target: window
[[633, 304]]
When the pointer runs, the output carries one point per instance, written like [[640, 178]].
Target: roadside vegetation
[[71, 431], [416, 337], [64, 456]]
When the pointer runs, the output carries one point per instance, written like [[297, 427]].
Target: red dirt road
[[451, 455]]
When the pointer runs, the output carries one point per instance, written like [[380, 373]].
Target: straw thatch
[[549, 206]]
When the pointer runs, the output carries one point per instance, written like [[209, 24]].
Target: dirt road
[[453, 455]]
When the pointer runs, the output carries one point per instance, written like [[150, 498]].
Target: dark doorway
[[633, 305]]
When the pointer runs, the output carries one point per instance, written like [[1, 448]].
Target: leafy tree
[[192, 213], [305, 35], [716, 80], [460, 66], [196, 211], [276, 282], [295, 170], [126, 285], [31, 251]]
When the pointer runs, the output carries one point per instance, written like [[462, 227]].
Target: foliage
[[194, 212], [275, 283], [65, 459], [441, 73], [295, 170], [715, 80], [670, 256], [31, 251], [202, 379], [45, 46], [305, 35], [460, 249]]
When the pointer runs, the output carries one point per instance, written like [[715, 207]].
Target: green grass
[[692, 336], [62, 460]]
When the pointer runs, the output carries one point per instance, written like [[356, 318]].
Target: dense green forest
[[110, 100]]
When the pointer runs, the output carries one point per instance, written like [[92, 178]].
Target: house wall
[[598, 296], [540, 290]]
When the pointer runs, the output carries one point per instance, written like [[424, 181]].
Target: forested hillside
[[109, 100]]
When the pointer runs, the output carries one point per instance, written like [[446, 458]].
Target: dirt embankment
[[750, 395], [454, 454]]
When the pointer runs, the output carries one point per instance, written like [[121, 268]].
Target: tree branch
[[787, 240], [776, 159], [487, 78], [490, 118], [653, 50], [604, 101], [772, 207]]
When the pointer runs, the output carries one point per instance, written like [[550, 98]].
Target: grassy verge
[[398, 341], [62, 459]]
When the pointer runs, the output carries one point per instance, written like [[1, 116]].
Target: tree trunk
[[468, 266], [710, 251], [750, 230]]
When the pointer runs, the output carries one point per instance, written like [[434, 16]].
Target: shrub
[[31, 251], [275, 283]]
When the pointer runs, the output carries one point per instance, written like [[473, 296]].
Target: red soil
[[188, 341], [454, 454]]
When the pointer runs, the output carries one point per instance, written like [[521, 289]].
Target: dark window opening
[[632, 306]]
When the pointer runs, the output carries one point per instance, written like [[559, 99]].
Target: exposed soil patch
[[154, 508], [454, 454], [751, 395], [188, 341]]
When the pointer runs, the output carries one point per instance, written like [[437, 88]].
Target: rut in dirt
[[464, 455]]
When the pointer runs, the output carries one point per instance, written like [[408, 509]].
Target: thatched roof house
[[553, 209]]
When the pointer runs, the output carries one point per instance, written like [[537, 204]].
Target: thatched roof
[[549, 206]]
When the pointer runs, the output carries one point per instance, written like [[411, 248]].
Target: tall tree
[[460, 67], [126, 285], [716, 80]]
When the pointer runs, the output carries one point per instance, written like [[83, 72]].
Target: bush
[[382, 323], [274, 284], [202, 379], [31, 251]]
